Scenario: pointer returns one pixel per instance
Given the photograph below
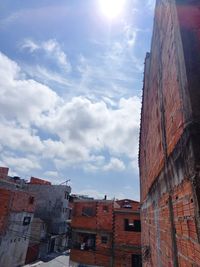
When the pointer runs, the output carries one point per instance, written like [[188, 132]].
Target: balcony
[[84, 241]]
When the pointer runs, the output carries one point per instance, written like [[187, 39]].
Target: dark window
[[104, 239], [105, 208], [134, 226], [66, 195], [31, 200], [136, 260], [127, 206], [26, 220], [88, 211], [70, 214]]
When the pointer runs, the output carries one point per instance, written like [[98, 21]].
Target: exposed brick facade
[[4, 208], [126, 243], [3, 172], [169, 156], [105, 221], [39, 181]]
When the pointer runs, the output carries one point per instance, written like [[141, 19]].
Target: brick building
[[16, 213], [105, 233], [169, 155]]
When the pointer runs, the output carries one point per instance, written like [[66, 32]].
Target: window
[[31, 200], [127, 205], [104, 239], [134, 226], [88, 211], [66, 195], [105, 208], [26, 220], [136, 260]]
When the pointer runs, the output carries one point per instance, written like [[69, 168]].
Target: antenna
[[65, 182]]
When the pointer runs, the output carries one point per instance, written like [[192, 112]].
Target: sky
[[71, 77]]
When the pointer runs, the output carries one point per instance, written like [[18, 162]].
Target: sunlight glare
[[112, 8]]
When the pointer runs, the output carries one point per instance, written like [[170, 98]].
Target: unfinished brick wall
[[107, 222], [126, 243], [3, 172], [4, 208], [169, 140], [34, 180], [22, 201], [13, 201], [80, 221]]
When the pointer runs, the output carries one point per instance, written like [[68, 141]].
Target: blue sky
[[70, 92]]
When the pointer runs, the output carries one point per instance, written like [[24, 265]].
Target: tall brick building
[[169, 155], [106, 233]]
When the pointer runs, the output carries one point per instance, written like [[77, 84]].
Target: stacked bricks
[[5, 196], [3, 172], [80, 221], [22, 202], [39, 181], [169, 156]]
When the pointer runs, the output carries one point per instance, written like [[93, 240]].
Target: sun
[[111, 8]]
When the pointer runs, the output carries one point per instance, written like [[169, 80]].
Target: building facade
[[169, 155], [127, 234], [51, 213], [17, 207], [103, 233]]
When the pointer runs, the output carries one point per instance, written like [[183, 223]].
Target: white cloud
[[93, 126], [22, 100], [21, 164], [17, 138], [151, 4], [46, 75], [51, 174], [51, 48], [30, 45], [83, 129], [114, 165]]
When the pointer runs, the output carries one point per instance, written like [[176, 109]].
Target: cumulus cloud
[[21, 164], [51, 48], [93, 126], [114, 165], [23, 100], [17, 138], [51, 174], [83, 129]]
